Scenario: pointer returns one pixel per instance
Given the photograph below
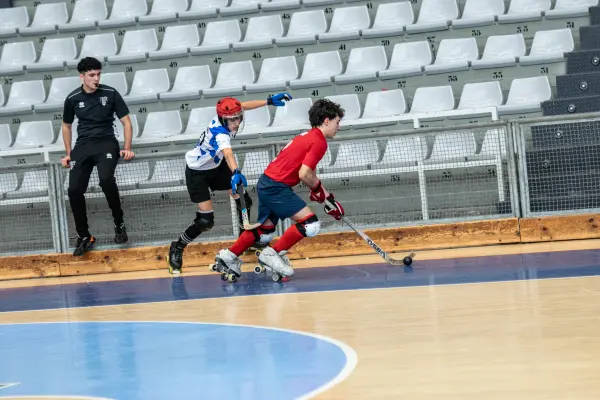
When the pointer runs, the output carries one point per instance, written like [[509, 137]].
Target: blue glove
[[278, 99], [236, 179]]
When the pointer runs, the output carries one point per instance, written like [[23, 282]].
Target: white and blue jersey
[[208, 153]]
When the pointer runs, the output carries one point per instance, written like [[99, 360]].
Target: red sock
[[247, 239], [289, 238]]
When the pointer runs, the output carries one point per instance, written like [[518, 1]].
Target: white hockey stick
[[246, 222]]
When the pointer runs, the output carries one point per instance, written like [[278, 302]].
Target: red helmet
[[230, 108]]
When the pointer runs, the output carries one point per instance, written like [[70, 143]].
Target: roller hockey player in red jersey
[[206, 171], [277, 200]]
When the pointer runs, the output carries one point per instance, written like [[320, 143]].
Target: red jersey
[[307, 148]]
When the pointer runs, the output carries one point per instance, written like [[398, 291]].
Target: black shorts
[[199, 182]]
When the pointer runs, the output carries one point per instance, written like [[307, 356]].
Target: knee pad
[[204, 221], [263, 236], [309, 227]]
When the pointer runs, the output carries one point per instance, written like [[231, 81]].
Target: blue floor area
[[423, 273]]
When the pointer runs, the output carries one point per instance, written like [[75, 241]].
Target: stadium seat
[[391, 20], [203, 9], [355, 155], [161, 124], [35, 183], [275, 74], [135, 45], [124, 13], [408, 59], [189, 83], [277, 5], [434, 15], [525, 10], [346, 24], [255, 163], [494, 144], [570, 8], [98, 46], [241, 7], [255, 121], [86, 15], [319, 70], [117, 81], [351, 106], [292, 117], [218, 37], [199, 119], [363, 64], [147, 84], [167, 173], [164, 11], [130, 174], [33, 134], [177, 42], [119, 131], [453, 147], [382, 108], [481, 94], [261, 32], [403, 151], [22, 96], [15, 56], [454, 55], [501, 51], [549, 46], [525, 95], [8, 183], [46, 19], [55, 54], [231, 79], [479, 13], [432, 99], [304, 28], [5, 137], [2, 97], [57, 94], [12, 19]]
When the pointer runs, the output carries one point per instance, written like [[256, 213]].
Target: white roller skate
[[228, 264], [278, 265]]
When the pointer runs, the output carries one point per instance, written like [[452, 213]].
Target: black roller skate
[[120, 234], [175, 258], [84, 245]]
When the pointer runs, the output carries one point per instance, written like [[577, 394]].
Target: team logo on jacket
[[103, 100], [81, 105]]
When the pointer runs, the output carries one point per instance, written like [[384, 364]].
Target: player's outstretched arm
[[277, 100]]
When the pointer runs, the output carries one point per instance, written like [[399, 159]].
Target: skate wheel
[[223, 277], [257, 253], [407, 261], [232, 278], [258, 269], [213, 267], [276, 277]]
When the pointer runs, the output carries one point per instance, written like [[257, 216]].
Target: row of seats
[[433, 14], [380, 108], [319, 69], [453, 150]]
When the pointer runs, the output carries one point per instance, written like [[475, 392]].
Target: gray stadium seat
[[453, 147], [549, 46], [363, 64], [481, 94], [351, 106], [570, 8], [355, 155], [130, 174], [319, 70], [189, 83], [199, 119], [231, 79], [525, 95], [5, 137], [46, 19], [22, 96], [12, 19], [15, 56], [164, 11], [147, 84], [403, 151], [136, 44], [434, 15], [176, 42], [85, 16], [167, 173], [408, 59], [116, 80], [346, 24], [454, 55], [525, 10], [391, 19], [382, 108], [242, 7], [119, 131], [304, 28], [218, 37], [479, 13], [161, 124], [2, 97], [501, 51], [124, 13], [432, 99], [494, 144], [8, 183], [255, 121], [275, 74], [203, 9], [98, 46], [261, 32], [275, 5], [59, 90], [55, 54], [292, 117], [33, 134], [35, 183]]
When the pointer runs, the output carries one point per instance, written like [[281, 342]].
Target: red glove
[[337, 212], [318, 193]]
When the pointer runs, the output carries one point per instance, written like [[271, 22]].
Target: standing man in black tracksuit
[[94, 105]]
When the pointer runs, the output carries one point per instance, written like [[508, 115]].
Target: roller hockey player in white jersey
[[206, 171]]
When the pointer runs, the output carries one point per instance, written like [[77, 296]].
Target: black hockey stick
[[245, 220], [405, 261]]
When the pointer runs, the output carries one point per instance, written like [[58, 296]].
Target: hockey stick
[[405, 261], [245, 220]]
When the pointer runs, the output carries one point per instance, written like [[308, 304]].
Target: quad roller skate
[[175, 258], [255, 249], [228, 265], [278, 265]]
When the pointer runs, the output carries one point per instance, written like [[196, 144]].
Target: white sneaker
[[233, 262], [271, 259]]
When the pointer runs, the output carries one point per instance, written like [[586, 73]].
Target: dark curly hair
[[323, 109], [88, 64]]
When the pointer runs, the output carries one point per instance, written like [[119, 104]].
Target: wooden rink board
[[401, 240]]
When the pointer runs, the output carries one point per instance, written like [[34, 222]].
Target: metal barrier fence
[[443, 174]]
